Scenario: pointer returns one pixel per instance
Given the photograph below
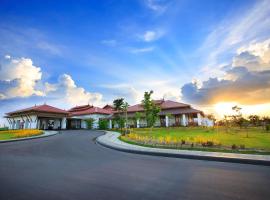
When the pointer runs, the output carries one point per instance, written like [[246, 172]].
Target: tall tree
[[150, 108], [125, 108], [118, 105]]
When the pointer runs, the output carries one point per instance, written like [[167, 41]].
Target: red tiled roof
[[108, 107], [88, 109], [164, 104], [40, 108]]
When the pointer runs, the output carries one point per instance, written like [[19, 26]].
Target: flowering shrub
[[169, 140], [22, 133]]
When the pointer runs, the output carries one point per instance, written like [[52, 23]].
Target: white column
[[110, 124], [138, 123], [166, 121], [184, 120], [64, 123], [199, 119]]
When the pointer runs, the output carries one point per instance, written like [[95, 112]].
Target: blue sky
[[75, 52]]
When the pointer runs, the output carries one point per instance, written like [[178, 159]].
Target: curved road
[[71, 166]]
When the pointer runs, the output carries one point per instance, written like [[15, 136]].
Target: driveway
[[71, 166]]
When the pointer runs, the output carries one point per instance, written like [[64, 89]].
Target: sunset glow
[[212, 56]]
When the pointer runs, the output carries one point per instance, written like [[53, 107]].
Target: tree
[[90, 123], [125, 108], [150, 108], [237, 118], [103, 124], [137, 117], [120, 106], [254, 119], [266, 123]]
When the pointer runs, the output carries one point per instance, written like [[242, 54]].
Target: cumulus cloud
[[246, 80], [70, 93], [18, 78]]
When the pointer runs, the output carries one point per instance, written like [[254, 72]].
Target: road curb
[[45, 134], [152, 152]]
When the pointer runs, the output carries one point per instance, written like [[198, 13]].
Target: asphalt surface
[[71, 166]]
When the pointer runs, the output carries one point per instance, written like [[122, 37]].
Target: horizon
[[212, 56]]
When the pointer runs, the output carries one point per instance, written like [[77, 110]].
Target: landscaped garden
[[234, 139], [13, 134]]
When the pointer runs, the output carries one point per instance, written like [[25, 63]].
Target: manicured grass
[[12, 134], [252, 138]]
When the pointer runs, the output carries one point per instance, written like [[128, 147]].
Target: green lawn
[[6, 136], [253, 138]]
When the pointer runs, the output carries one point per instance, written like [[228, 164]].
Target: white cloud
[[142, 50], [7, 57], [156, 5], [67, 91], [246, 80], [232, 33], [151, 35], [18, 78]]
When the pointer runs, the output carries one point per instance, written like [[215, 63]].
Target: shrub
[[234, 147], [3, 128], [242, 146], [24, 133], [208, 144], [267, 127], [103, 124]]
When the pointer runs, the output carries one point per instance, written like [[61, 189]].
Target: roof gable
[[40, 108]]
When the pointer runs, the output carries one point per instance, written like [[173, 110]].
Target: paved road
[[71, 166]]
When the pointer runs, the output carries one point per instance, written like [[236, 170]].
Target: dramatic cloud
[[246, 80], [18, 78], [252, 25], [67, 91]]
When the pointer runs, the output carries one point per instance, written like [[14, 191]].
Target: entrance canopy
[[38, 117]]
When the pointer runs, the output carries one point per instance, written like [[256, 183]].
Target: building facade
[[38, 117], [48, 117], [172, 114]]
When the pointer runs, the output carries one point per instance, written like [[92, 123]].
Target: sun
[[224, 108]]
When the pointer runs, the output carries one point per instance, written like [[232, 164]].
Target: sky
[[210, 54]]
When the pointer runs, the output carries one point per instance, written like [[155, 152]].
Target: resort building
[[48, 117], [38, 117], [79, 114], [172, 114]]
